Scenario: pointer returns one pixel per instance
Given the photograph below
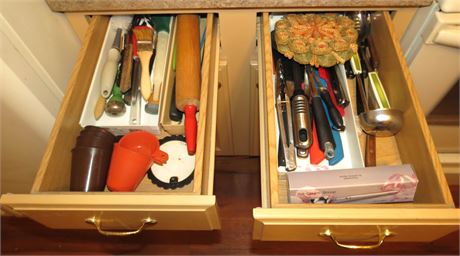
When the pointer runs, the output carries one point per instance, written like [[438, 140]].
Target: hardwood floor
[[237, 191], [447, 112]]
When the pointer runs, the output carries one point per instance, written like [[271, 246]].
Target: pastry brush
[[145, 45]]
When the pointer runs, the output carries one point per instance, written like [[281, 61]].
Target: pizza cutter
[[179, 170]]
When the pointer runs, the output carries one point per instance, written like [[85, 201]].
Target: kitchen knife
[[324, 74], [334, 114], [337, 87], [336, 118]]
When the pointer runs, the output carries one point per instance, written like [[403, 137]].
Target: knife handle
[[126, 72], [334, 94], [336, 118], [338, 87], [365, 64], [349, 70], [360, 96], [109, 70], [374, 58], [370, 154]]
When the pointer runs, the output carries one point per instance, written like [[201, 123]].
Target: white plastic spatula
[[110, 67]]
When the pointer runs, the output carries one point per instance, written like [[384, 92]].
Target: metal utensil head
[[362, 24], [117, 40], [381, 122]]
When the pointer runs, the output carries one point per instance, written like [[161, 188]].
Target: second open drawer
[[429, 217]]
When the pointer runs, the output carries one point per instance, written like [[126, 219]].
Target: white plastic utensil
[[109, 70]]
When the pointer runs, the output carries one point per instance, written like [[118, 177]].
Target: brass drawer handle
[[382, 235], [97, 223]]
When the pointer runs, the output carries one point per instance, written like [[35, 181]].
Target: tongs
[[283, 109]]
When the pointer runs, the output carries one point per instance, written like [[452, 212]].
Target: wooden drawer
[[429, 217], [50, 202]]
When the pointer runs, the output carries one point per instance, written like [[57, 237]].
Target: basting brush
[[144, 36]]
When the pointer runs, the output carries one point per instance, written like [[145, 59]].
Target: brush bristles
[[144, 37]]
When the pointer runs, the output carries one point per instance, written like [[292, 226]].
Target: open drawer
[[50, 202], [431, 215]]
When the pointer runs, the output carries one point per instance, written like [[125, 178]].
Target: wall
[[37, 51]]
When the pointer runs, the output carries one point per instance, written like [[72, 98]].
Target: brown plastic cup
[[95, 141], [93, 136], [93, 133], [90, 166], [98, 129]]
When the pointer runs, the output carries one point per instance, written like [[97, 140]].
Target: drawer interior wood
[[413, 145], [54, 171]]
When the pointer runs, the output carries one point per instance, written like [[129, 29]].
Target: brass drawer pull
[[382, 235], [97, 223]]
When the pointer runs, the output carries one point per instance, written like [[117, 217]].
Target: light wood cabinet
[[236, 103]]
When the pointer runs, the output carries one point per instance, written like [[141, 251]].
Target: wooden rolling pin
[[188, 74]]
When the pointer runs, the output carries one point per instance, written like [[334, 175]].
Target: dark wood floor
[[237, 191], [447, 112]]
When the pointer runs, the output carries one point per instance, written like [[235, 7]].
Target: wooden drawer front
[[432, 208], [122, 211], [354, 224], [51, 204]]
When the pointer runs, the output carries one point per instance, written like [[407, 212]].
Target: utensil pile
[[126, 75], [377, 117], [310, 103]]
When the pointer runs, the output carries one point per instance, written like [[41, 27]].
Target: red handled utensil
[[316, 155], [188, 74]]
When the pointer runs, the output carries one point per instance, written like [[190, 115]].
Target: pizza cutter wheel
[[178, 171]]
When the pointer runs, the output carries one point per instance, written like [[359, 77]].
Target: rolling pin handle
[[190, 128]]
